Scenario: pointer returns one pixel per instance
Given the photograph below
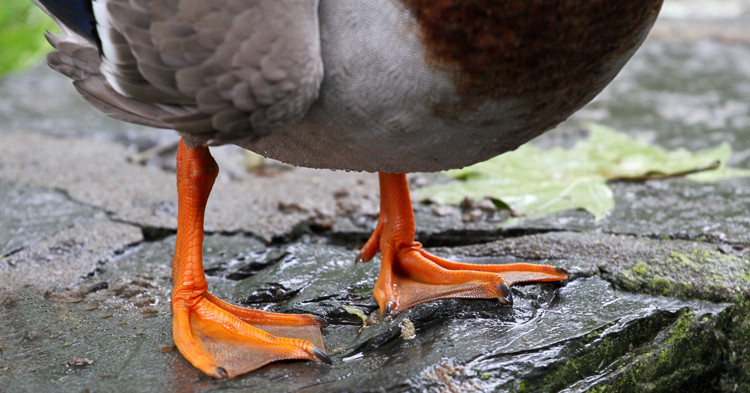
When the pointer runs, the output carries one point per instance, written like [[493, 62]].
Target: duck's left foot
[[409, 275], [218, 338], [224, 340]]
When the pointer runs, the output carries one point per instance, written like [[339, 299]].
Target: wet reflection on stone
[[584, 324]]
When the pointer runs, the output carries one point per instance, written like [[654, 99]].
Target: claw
[[320, 321], [321, 356], [505, 297], [562, 270], [390, 308], [221, 372]]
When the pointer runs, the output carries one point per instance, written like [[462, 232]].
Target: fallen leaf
[[533, 182]]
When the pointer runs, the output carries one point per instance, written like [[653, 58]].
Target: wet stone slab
[[52, 240], [28, 214], [98, 173], [677, 208], [114, 327]]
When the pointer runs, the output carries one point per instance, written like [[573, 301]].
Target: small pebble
[[441, 210], [97, 287], [79, 363], [487, 205], [468, 203], [167, 349], [408, 331]]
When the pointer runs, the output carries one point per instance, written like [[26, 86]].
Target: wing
[[222, 70]]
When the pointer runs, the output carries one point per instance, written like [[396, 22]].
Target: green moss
[[661, 285], [736, 325], [681, 328], [699, 258], [522, 386], [641, 268], [600, 353], [670, 352], [683, 361], [598, 389], [698, 274]]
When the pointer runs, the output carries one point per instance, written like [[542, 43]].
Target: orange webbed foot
[[409, 275], [220, 339], [224, 341]]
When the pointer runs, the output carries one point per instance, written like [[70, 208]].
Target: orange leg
[[218, 338], [409, 275]]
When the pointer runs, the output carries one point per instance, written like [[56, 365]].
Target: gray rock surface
[[659, 300]]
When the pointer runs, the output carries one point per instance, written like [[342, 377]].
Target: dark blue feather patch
[[77, 15]]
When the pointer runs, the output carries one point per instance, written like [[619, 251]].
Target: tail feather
[[78, 54], [101, 95], [76, 15]]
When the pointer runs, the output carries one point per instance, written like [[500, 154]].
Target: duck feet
[[409, 275]]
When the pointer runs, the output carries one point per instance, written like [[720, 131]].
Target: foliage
[[22, 41], [533, 182]]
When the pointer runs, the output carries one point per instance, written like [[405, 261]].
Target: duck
[[383, 86]]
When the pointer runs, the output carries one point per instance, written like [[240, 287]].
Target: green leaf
[[22, 42], [355, 311], [533, 182]]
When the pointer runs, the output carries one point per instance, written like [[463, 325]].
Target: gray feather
[[222, 70]]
